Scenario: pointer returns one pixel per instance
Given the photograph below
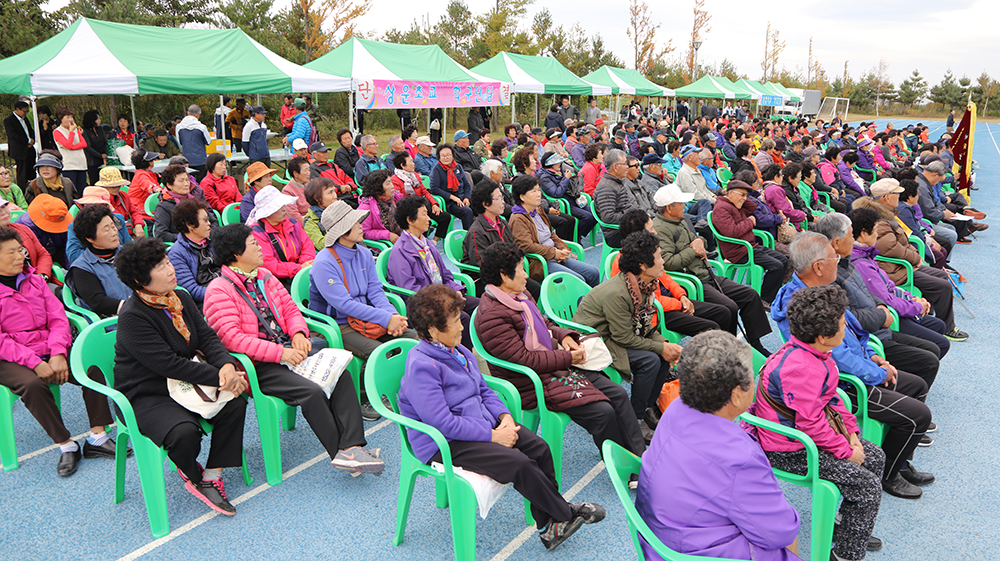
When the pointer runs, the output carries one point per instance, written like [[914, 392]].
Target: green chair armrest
[[766, 239], [577, 250], [811, 477], [508, 393], [542, 260], [466, 280], [397, 301], [697, 290]]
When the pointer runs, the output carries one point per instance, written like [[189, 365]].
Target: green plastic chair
[[230, 214], [454, 251], [908, 285], [553, 423], [605, 248], [151, 202], [920, 245], [96, 347], [273, 412], [70, 303], [383, 374], [621, 466], [382, 268], [725, 176], [806, 191], [746, 273], [861, 170], [560, 297], [8, 443], [15, 214]]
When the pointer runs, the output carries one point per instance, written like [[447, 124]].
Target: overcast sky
[[929, 35]]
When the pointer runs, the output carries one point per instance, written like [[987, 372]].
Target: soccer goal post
[[833, 105]]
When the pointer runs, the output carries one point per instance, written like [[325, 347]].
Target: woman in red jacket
[[408, 182], [220, 189], [593, 170], [253, 314]]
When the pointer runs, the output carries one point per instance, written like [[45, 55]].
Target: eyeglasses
[[836, 258]]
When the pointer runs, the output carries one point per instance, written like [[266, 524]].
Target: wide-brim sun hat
[[268, 201], [258, 170], [338, 219], [50, 214], [94, 196], [111, 177]]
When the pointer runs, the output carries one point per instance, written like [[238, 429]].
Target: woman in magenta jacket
[[379, 198], [34, 351], [253, 314], [802, 378]]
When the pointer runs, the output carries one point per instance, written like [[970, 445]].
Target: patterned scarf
[[449, 169], [55, 185], [410, 181], [428, 258], [172, 304], [387, 213], [453, 352], [642, 303]]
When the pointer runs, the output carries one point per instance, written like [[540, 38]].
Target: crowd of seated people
[[835, 201]]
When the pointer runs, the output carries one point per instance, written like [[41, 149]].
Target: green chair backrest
[[384, 373], [725, 176], [299, 290], [601, 223], [561, 295], [454, 250], [621, 466], [151, 202], [382, 269]]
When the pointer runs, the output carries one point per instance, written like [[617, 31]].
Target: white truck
[[807, 108]]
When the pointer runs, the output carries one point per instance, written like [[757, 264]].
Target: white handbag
[[598, 355], [206, 401], [323, 368]]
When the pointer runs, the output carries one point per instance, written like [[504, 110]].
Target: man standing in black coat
[[21, 143]]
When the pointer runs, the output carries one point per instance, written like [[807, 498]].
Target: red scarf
[[452, 178]]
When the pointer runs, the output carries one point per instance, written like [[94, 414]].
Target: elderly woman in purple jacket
[[443, 388], [706, 487], [415, 262]]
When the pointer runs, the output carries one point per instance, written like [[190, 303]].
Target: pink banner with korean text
[[406, 94]]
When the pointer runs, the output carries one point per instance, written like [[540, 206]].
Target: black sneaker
[[957, 334], [925, 441], [931, 427], [368, 412], [591, 513], [555, 533], [212, 493], [919, 478]]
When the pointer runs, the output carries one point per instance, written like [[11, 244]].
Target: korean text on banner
[[403, 94]]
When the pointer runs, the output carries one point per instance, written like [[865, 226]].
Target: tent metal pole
[[38, 130], [219, 134], [536, 112], [131, 102], [513, 104], [444, 124], [350, 114]]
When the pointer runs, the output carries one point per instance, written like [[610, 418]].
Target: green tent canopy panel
[[785, 91], [362, 59], [627, 81], [706, 86], [537, 74], [96, 57], [738, 90]]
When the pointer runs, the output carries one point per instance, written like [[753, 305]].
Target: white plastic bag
[[488, 491]]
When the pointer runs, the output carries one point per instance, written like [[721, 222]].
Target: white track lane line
[[524, 536], [238, 500], [991, 137]]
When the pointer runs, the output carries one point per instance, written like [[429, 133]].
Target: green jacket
[[151, 146], [13, 194], [310, 223], [608, 309], [675, 246]]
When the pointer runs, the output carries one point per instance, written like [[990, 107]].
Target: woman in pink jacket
[[253, 314], [797, 388], [34, 346], [379, 197], [284, 243]]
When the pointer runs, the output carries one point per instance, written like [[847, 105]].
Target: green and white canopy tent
[[707, 87], [93, 57], [538, 75], [753, 87], [785, 91], [97, 57], [627, 81], [735, 87]]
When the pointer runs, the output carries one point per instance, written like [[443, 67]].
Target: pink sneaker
[[212, 493]]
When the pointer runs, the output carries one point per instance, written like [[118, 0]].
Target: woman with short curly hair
[[160, 332], [192, 254], [379, 198], [443, 387], [804, 369], [742, 512]]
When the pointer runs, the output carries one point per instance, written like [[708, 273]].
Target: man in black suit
[[20, 143]]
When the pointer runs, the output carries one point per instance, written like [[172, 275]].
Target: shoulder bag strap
[[256, 312]]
